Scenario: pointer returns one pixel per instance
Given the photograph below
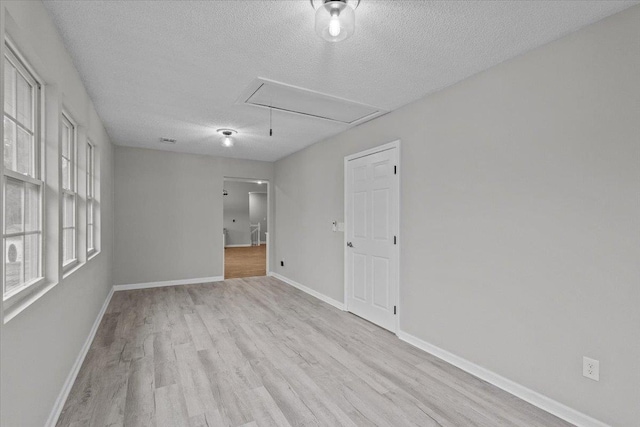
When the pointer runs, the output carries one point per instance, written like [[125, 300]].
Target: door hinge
[[395, 170], [395, 240], [395, 310]]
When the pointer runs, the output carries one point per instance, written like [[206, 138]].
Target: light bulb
[[226, 134], [334, 26], [335, 20]]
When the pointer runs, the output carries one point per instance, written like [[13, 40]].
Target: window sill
[[22, 290], [17, 303], [91, 255], [71, 267]]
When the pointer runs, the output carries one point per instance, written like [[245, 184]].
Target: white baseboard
[[322, 297], [71, 378], [543, 402], [168, 283], [238, 246]]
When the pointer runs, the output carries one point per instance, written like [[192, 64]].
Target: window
[[91, 201], [69, 195], [23, 186]]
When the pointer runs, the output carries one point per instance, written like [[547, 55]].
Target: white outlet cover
[[591, 368]]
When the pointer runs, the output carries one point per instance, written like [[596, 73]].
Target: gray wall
[[258, 206], [519, 217], [169, 213], [40, 344], [237, 207]]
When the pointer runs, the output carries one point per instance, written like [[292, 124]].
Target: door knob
[[349, 244]]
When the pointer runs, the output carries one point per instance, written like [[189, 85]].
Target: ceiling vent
[[291, 99], [168, 140]]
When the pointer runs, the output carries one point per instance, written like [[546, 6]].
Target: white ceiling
[[176, 69]]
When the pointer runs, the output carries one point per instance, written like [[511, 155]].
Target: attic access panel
[[279, 96]]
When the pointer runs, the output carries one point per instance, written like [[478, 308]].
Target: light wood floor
[[247, 261], [257, 352]]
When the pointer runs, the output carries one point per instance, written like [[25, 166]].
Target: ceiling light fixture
[[335, 19], [227, 141]]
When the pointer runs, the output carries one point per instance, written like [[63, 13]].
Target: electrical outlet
[[591, 368]]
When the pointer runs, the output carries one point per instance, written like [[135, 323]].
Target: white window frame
[[73, 171], [21, 65], [91, 226]]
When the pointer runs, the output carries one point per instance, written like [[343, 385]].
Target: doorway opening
[[245, 232]]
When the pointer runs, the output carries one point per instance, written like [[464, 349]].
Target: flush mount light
[[335, 19], [227, 141]]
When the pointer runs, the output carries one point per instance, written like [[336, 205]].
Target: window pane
[[90, 244], [31, 257], [14, 191], [89, 170], [89, 211], [68, 210], [22, 206], [9, 88], [32, 207], [68, 244], [65, 139], [9, 144], [24, 102], [25, 153], [90, 226], [13, 273], [66, 175]]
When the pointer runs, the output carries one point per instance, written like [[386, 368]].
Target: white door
[[372, 207]]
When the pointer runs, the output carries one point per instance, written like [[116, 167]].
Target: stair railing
[[255, 234]]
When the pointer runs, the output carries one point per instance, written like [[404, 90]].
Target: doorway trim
[[384, 147], [269, 216]]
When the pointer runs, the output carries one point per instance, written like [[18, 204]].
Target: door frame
[[384, 147], [269, 219]]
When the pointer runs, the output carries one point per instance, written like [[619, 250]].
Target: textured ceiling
[[175, 69]]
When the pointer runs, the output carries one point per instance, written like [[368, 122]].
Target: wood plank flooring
[[247, 261], [257, 352]]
